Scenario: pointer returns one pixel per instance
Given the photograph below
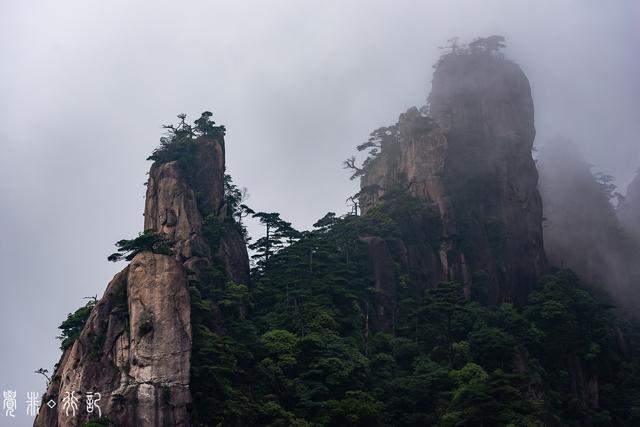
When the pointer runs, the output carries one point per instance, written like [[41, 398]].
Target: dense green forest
[[296, 349], [296, 346]]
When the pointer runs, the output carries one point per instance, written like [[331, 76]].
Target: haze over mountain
[[86, 85], [431, 303]]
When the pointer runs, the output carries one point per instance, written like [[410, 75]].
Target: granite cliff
[[427, 307], [135, 348], [470, 156]]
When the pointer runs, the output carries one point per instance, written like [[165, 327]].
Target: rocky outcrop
[[135, 348], [177, 198], [171, 206], [471, 157]]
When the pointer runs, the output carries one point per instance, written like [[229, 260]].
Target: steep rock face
[[135, 348], [108, 319], [171, 205], [472, 159], [159, 307], [416, 164], [176, 198], [233, 253]]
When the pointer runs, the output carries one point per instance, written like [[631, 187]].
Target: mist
[[86, 85], [583, 230]]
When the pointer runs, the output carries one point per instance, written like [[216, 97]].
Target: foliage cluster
[[100, 422], [379, 141], [149, 240], [221, 358], [298, 347], [491, 45], [180, 141], [237, 210], [74, 323]]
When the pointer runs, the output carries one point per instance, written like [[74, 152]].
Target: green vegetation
[[237, 211], [72, 326], [298, 346], [179, 143], [380, 140], [149, 240], [100, 422], [490, 46], [278, 233]]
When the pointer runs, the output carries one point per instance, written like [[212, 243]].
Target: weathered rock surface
[[171, 205], [472, 159], [176, 198], [135, 348]]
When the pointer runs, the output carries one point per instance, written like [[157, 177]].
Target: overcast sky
[[85, 86]]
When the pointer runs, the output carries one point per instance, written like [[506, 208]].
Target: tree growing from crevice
[[378, 141], [44, 373], [74, 323], [149, 240]]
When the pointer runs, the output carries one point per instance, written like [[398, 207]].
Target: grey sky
[[85, 85]]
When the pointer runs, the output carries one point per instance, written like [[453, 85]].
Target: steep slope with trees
[[431, 303], [469, 155], [141, 347]]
